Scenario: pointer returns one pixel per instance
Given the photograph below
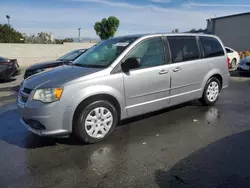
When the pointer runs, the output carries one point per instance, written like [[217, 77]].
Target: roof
[[229, 16], [165, 34]]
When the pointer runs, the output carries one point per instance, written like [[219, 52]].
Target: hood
[[46, 64], [57, 77]]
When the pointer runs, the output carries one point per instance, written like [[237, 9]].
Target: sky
[[63, 17]]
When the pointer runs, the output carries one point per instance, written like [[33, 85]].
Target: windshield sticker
[[122, 44]]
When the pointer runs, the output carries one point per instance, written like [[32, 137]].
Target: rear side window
[[211, 47], [183, 48], [228, 50]]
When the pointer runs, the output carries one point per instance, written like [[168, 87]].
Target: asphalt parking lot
[[185, 146]]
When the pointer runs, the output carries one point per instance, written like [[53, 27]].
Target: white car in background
[[233, 56]]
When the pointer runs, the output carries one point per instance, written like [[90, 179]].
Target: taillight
[[228, 63], [4, 63]]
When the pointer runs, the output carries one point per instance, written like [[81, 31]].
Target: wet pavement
[[185, 146]]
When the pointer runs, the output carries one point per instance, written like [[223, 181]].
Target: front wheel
[[96, 121], [211, 92]]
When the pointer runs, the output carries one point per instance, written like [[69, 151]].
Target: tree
[[61, 41], [107, 27], [40, 38], [68, 40], [10, 35], [195, 30], [192, 30], [32, 39], [45, 38], [175, 31]]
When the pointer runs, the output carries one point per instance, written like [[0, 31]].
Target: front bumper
[[52, 117], [59, 132], [244, 68], [6, 73]]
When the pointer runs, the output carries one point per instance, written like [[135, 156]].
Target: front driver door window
[[150, 53]]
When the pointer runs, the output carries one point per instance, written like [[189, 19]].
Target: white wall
[[28, 54]]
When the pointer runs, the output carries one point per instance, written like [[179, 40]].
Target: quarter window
[[183, 48], [212, 47], [228, 50], [150, 52]]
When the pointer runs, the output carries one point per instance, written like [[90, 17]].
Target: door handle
[[163, 72], [177, 69]]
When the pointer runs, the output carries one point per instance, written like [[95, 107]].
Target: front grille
[[24, 94], [24, 98], [248, 63], [26, 75], [27, 90], [29, 73]]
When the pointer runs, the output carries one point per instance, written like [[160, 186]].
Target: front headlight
[[48, 95]]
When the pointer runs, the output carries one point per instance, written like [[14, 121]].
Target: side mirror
[[130, 63]]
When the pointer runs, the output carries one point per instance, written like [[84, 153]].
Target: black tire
[[79, 127], [204, 99], [5, 78], [233, 64]]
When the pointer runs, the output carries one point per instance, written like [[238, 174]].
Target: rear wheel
[[211, 92], [96, 121]]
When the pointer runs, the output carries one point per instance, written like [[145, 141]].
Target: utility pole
[[79, 34], [8, 18]]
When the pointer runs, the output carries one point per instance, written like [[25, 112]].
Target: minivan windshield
[[104, 53], [71, 55]]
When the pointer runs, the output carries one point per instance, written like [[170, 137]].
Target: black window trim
[[118, 69], [198, 46], [168, 50], [202, 53]]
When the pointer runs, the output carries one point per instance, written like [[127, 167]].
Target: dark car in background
[[64, 60], [244, 65], [8, 68]]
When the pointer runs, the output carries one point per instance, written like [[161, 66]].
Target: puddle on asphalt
[[8, 107], [212, 116]]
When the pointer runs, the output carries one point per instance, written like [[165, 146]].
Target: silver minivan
[[120, 78]]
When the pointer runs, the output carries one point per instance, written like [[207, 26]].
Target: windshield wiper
[[64, 60], [77, 64], [88, 66], [96, 66]]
